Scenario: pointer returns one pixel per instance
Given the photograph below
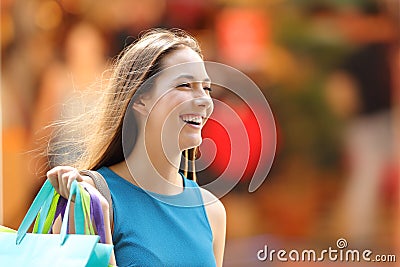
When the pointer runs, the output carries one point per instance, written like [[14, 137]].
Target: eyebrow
[[191, 77]]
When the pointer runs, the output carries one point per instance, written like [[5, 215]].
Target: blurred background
[[330, 71]]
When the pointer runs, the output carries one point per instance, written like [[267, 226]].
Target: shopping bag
[[36, 249], [6, 229]]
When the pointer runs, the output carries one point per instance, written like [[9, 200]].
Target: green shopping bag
[[35, 249]]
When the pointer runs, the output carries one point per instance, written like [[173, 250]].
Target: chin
[[192, 143]]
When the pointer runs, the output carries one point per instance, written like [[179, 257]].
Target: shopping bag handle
[[40, 199], [78, 213], [54, 206], [44, 193], [42, 218]]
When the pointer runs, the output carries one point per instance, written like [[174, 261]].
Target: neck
[[149, 168]]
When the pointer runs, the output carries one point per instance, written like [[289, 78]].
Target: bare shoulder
[[215, 209]]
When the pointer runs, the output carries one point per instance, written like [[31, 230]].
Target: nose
[[202, 99], [205, 103]]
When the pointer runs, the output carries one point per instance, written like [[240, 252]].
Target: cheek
[[165, 109]]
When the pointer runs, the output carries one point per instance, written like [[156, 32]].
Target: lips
[[192, 119]]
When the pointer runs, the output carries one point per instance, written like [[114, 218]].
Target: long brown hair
[[97, 134]]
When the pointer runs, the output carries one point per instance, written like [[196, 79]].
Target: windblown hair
[[94, 138]]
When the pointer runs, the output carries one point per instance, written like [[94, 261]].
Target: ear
[[140, 106]]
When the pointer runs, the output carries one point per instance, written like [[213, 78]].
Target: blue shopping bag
[[30, 249]]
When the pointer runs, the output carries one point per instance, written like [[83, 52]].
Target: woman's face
[[179, 102]]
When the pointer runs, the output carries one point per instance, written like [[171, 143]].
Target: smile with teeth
[[192, 119]]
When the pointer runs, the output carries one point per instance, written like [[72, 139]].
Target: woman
[[136, 142]]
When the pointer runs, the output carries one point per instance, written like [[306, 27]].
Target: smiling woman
[[153, 109]]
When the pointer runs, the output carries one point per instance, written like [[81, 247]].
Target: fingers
[[61, 177]]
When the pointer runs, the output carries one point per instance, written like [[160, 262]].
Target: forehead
[[184, 60]]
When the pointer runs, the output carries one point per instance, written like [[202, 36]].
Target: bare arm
[[217, 217]]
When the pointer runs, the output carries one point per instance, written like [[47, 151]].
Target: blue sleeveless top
[[152, 229]]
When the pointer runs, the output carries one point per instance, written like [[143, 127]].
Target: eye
[[207, 88], [187, 85]]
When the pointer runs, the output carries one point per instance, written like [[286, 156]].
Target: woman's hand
[[61, 177]]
